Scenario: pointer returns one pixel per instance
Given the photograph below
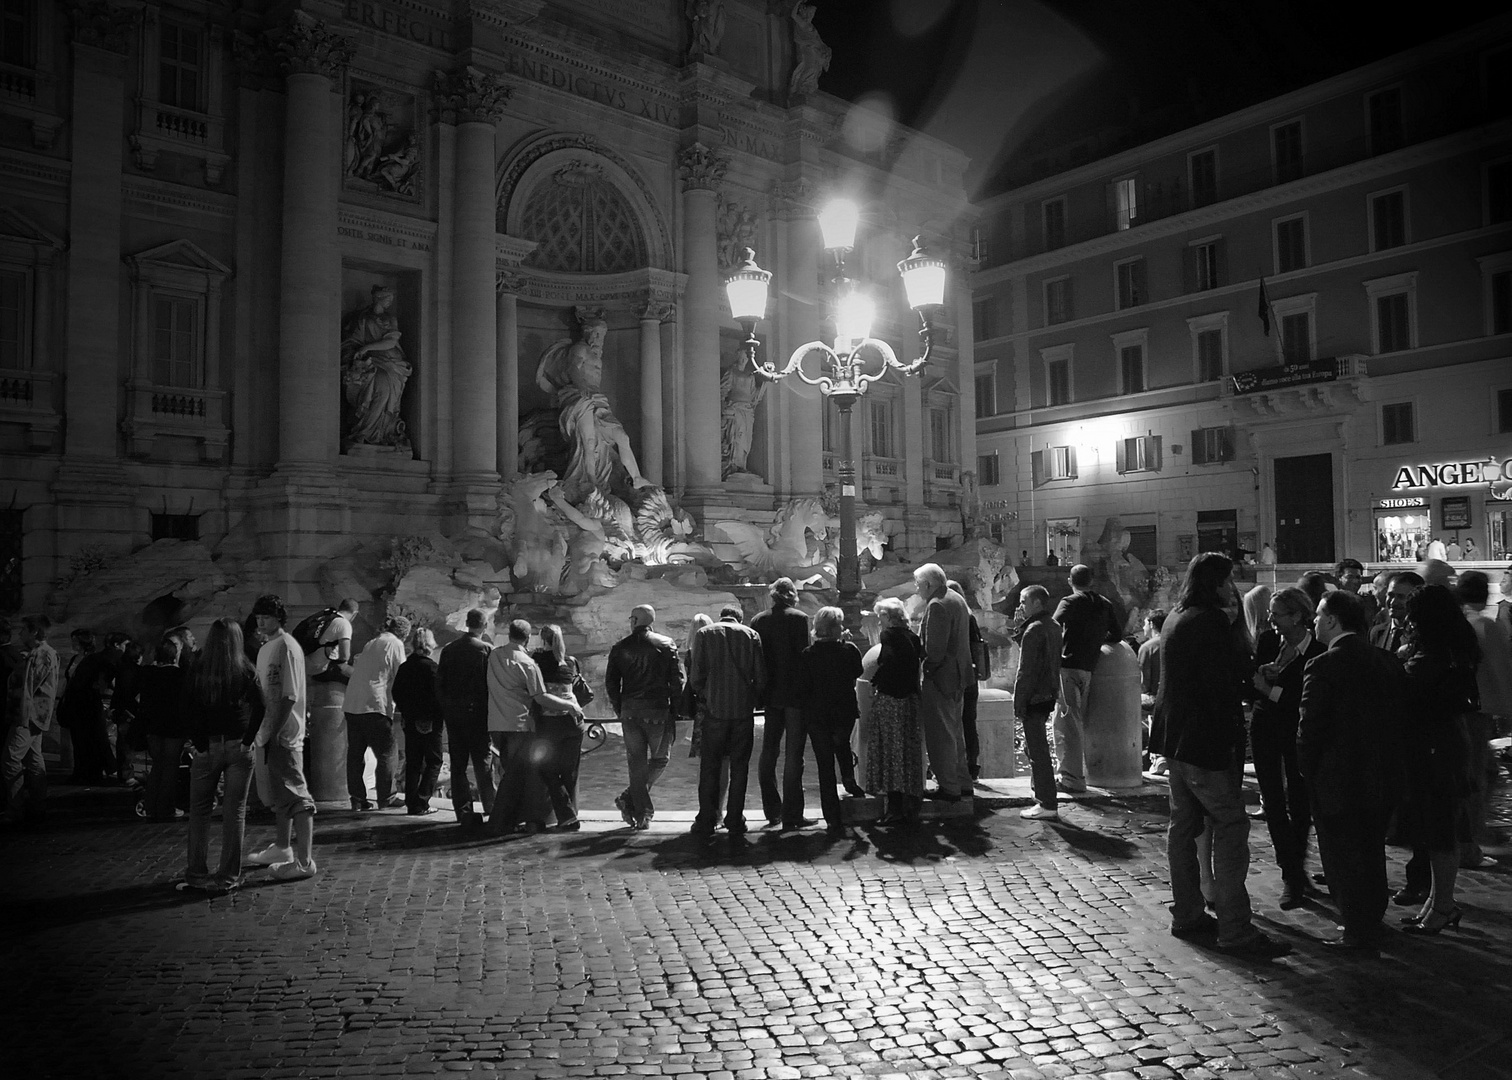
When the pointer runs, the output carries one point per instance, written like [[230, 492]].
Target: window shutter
[[1037, 462], [1199, 450], [1069, 309], [1189, 270], [1220, 262], [1071, 462], [1122, 449], [1154, 452], [1226, 442]]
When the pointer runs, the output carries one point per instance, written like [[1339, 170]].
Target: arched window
[[582, 224]]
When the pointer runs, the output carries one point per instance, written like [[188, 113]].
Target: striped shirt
[[728, 671]]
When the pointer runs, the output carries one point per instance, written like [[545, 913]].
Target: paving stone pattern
[[984, 946]]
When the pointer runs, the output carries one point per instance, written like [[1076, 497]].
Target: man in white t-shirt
[[335, 650], [278, 747], [369, 712]]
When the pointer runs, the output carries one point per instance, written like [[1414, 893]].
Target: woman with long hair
[[1440, 659], [1281, 655], [895, 737], [224, 708], [1256, 611], [558, 747], [419, 702]]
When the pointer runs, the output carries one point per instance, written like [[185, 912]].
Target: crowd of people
[[1366, 708]]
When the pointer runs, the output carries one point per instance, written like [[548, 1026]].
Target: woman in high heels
[[1440, 659]]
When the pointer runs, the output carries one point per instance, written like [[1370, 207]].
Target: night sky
[[998, 77]]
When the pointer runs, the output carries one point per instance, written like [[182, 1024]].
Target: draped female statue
[[374, 373]]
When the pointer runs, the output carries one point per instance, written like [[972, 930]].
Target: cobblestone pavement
[[979, 946]]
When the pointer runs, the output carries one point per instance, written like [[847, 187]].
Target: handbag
[[580, 688]]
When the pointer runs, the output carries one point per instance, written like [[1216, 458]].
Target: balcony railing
[[176, 412], [26, 398]]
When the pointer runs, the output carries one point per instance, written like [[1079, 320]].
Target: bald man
[[643, 678]]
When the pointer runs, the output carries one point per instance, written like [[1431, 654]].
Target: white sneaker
[[293, 870], [269, 856], [1039, 813]]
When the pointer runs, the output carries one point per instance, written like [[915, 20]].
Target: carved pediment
[[17, 227], [179, 255]]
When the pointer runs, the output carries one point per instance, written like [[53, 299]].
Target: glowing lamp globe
[[923, 278], [838, 221], [747, 289]]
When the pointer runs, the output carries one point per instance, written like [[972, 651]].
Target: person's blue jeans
[[1037, 747], [1197, 797], [162, 781], [25, 771], [721, 740], [649, 735], [233, 760]]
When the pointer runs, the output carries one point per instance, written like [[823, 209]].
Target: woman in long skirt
[[895, 739]]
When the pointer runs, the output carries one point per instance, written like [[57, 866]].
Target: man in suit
[[947, 669], [1388, 634], [1349, 752]]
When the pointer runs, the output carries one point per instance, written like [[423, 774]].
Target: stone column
[[651, 317], [102, 37], [474, 101], [702, 171], [309, 309], [507, 332], [798, 320]]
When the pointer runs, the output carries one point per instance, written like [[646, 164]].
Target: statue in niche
[[374, 373], [706, 27], [598, 446], [396, 171], [740, 391], [736, 231], [366, 128], [811, 56]]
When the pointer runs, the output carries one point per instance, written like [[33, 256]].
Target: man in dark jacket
[[643, 678], [1034, 694], [1348, 749], [462, 683], [784, 631], [1088, 622], [1199, 727]]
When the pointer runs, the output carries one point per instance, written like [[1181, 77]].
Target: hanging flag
[[1267, 316], [1264, 310]]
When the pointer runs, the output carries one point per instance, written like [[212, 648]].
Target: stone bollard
[[1113, 729], [326, 731], [995, 726]]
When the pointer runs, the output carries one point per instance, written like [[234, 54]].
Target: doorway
[[1305, 509]]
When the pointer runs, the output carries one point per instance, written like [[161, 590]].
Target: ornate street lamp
[[855, 361]]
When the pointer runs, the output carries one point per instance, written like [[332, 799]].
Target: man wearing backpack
[[1088, 622]]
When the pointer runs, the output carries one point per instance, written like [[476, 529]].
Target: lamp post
[[853, 363]]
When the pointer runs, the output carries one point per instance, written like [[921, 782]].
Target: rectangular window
[[1205, 257], [1131, 284], [174, 336], [1126, 202], [13, 319], [1209, 355], [939, 436], [1501, 302], [1203, 167], [1131, 368], [987, 470], [1057, 301], [175, 526], [1055, 224], [1499, 192], [1388, 219], [1296, 338], [984, 318], [1058, 378], [1286, 144], [1139, 454], [881, 428], [16, 21], [1503, 412], [1212, 445], [1385, 111], [1063, 463], [1291, 245], [179, 66], [986, 395], [1397, 424], [1392, 331]]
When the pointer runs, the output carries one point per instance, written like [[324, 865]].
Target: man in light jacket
[[25, 771], [369, 711], [1035, 691]]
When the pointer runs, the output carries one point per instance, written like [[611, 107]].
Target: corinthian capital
[[305, 46], [101, 24], [470, 95], [508, 282], [701, 168]]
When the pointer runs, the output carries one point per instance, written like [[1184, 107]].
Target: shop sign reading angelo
[[1498, 474]]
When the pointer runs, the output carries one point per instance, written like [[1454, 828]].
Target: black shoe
[[1293, 895], [836, 832], [855, 791], [943, 796], [1344, 945], [1408, 897], [420, 811], [1259, 947], [1205, 927], [801, 823]]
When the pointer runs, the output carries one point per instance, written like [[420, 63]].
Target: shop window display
[[1402, 538]]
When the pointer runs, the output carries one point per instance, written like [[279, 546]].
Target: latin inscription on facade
[[387, 239], [398, 23]]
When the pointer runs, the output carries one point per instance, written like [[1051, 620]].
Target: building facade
[[280, 278], [1289, 326]]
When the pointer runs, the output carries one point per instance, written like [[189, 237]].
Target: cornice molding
[[163, 194], [362, 218]]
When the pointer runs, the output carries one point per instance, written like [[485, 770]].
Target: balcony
[[26, 399], [882, 479], [182, 131], [31, 95], [175, 412], [942, 483]]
